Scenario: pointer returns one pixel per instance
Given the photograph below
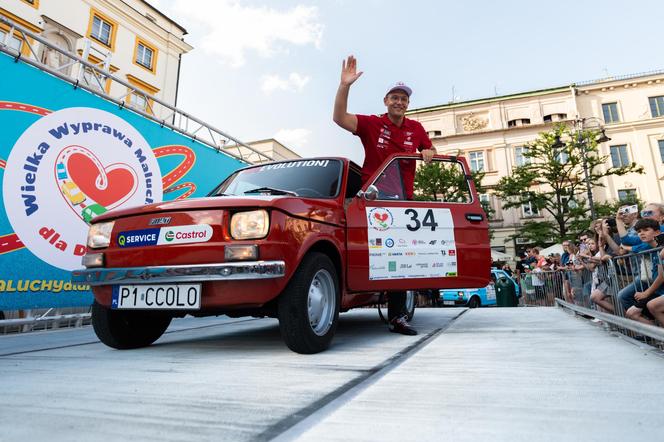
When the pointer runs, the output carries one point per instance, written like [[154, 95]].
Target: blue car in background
[[476, 297]]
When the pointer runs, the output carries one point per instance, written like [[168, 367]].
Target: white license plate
[[157, 297], [448, 302]]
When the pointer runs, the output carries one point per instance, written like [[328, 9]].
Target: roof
[[184, 31], [525, 94]]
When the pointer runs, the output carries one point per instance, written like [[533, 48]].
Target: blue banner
[[67, 156]]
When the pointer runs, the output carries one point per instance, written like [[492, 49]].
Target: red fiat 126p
[[299, 240]]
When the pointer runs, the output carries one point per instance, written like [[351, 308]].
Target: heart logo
[[381, 216], [109, 186]]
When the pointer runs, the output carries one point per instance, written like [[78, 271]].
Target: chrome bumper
[[182, 273]]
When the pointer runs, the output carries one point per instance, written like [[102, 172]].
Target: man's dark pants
[[396, 304]]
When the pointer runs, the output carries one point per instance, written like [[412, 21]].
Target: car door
[[437, 240]]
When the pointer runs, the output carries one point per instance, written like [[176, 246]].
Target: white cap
[[400, 86]]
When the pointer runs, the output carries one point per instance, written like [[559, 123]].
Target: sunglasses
[[647, 213]]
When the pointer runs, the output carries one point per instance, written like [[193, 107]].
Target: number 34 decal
[[415, 224]]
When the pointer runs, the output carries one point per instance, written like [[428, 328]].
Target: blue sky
[[263, 69]]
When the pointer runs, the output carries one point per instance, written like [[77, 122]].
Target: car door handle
[[474, 217]]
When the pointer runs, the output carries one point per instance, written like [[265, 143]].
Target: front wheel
[[309, 306], [123, 329], [474, 302]]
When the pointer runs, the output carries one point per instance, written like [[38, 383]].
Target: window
[[453, 190], [661, 149], [476, 161], [554, 117], [610, 111], [518, 122], [561, 156], [139, 97], [519, 156], [102, 29], [14, 42], [145, 55], [656, 106], [138, 101], [619, 157], [93, 80], [627, 195], [529, 210]]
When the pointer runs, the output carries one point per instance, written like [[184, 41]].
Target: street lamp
[[581, 124]]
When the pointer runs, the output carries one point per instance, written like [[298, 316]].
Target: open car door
[[438, 239]]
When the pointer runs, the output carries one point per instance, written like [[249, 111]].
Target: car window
[[306, 178], [354, 182], [441, 180], [390, 183]]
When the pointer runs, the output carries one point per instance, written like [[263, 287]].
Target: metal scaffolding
[[81, 73]]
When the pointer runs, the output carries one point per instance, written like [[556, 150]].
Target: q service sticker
[[410, 243]]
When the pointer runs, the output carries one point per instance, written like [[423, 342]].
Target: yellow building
[[491, 134], [130, 38]]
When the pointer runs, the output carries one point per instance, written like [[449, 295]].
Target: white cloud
[[233, 29], [294, 83], [293, 138]]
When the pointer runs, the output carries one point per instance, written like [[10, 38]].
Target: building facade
[[492, 134], [129, 38]]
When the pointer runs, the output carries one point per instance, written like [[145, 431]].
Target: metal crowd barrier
[[44, 319], [604, 287]]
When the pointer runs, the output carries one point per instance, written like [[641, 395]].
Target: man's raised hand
[[349, 71]]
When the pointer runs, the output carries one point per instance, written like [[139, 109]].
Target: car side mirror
[[370, 194]]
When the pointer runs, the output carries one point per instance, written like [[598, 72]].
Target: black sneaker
[[400, 325]]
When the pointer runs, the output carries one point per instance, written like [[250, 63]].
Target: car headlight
[[99, 235], [250, 225]]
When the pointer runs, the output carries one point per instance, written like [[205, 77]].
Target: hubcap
[[321, 302], [410, 301]]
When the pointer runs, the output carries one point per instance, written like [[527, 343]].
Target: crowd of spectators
[[633, 282]]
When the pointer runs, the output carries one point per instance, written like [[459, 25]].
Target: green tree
[[552, 181], [445, 181]]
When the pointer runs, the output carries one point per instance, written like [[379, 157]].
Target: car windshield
[[305, 178]]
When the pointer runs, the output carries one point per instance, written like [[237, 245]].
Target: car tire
[[308, 308], [411, 303], [125, 330], [474, 302]]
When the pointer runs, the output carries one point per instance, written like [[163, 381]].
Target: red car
[[298, 240]]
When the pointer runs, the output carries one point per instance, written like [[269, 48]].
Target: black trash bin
[[505, 293]]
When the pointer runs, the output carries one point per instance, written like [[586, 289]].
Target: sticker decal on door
[[410, 243]]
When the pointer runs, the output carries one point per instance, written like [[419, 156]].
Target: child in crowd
[[647, 230]]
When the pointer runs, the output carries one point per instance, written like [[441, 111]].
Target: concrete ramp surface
[[531, 374]]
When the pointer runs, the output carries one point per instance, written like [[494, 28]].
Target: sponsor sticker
[[165, 235], [380, 219], [185, 234], [138, 238]]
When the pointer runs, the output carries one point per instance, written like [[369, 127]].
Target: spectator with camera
[[608, 241], [626, 218]]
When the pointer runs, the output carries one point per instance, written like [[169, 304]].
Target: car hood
[[325, 210]]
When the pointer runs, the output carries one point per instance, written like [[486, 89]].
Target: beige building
[[491, 134], [130, 38], [274, 149]]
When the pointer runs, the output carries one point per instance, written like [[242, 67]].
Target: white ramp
[[524, 374]]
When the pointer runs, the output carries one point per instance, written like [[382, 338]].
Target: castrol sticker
[[185, 234]]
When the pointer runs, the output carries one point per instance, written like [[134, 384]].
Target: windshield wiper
[[272, 191]]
